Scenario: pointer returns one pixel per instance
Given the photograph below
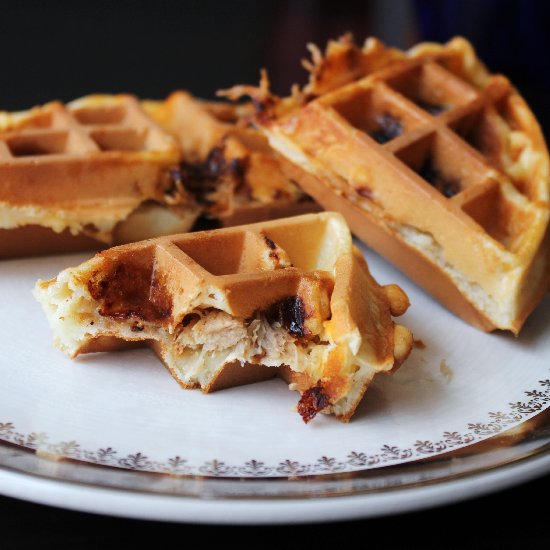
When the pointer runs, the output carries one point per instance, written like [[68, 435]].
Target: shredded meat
[[252, 341], [214, 331]]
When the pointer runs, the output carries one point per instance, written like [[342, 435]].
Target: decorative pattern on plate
[[537, 400]]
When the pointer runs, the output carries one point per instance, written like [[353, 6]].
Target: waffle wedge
[[289, 298], [228, 166], [95, 171], [106, 170], [434, 162]]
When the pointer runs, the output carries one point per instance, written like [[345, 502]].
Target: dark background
[[63, 50], [515, 519]]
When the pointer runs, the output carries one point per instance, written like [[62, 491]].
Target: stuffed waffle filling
[[260, 340], [276, 320], [197, 348]]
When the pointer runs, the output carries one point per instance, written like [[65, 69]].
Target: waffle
[[434, 162], [86, 174], [289, 298], [227, 166]]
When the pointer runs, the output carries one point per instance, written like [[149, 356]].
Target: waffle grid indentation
[[446, 133]]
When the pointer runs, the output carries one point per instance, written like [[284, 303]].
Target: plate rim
[[131, 503], [523, 461]]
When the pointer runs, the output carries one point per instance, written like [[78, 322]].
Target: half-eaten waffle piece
[[228, 166], [290, 298], [434, 162], [87, 174]]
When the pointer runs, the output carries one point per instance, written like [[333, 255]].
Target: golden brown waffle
[[82, 170], [289, 297], [434, 162], [228, 166], [106, 170]]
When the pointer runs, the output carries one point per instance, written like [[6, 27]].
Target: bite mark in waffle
[[435, 163], [83, 169], [228, 166], [289, 298]]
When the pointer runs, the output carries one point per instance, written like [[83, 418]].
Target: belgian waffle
[[86, 174], [227, 166], [290, 297], [437, 164]]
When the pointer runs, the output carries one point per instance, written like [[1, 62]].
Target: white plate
[[124, 414]]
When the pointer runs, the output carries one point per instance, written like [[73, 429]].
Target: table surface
[[514, 518]]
